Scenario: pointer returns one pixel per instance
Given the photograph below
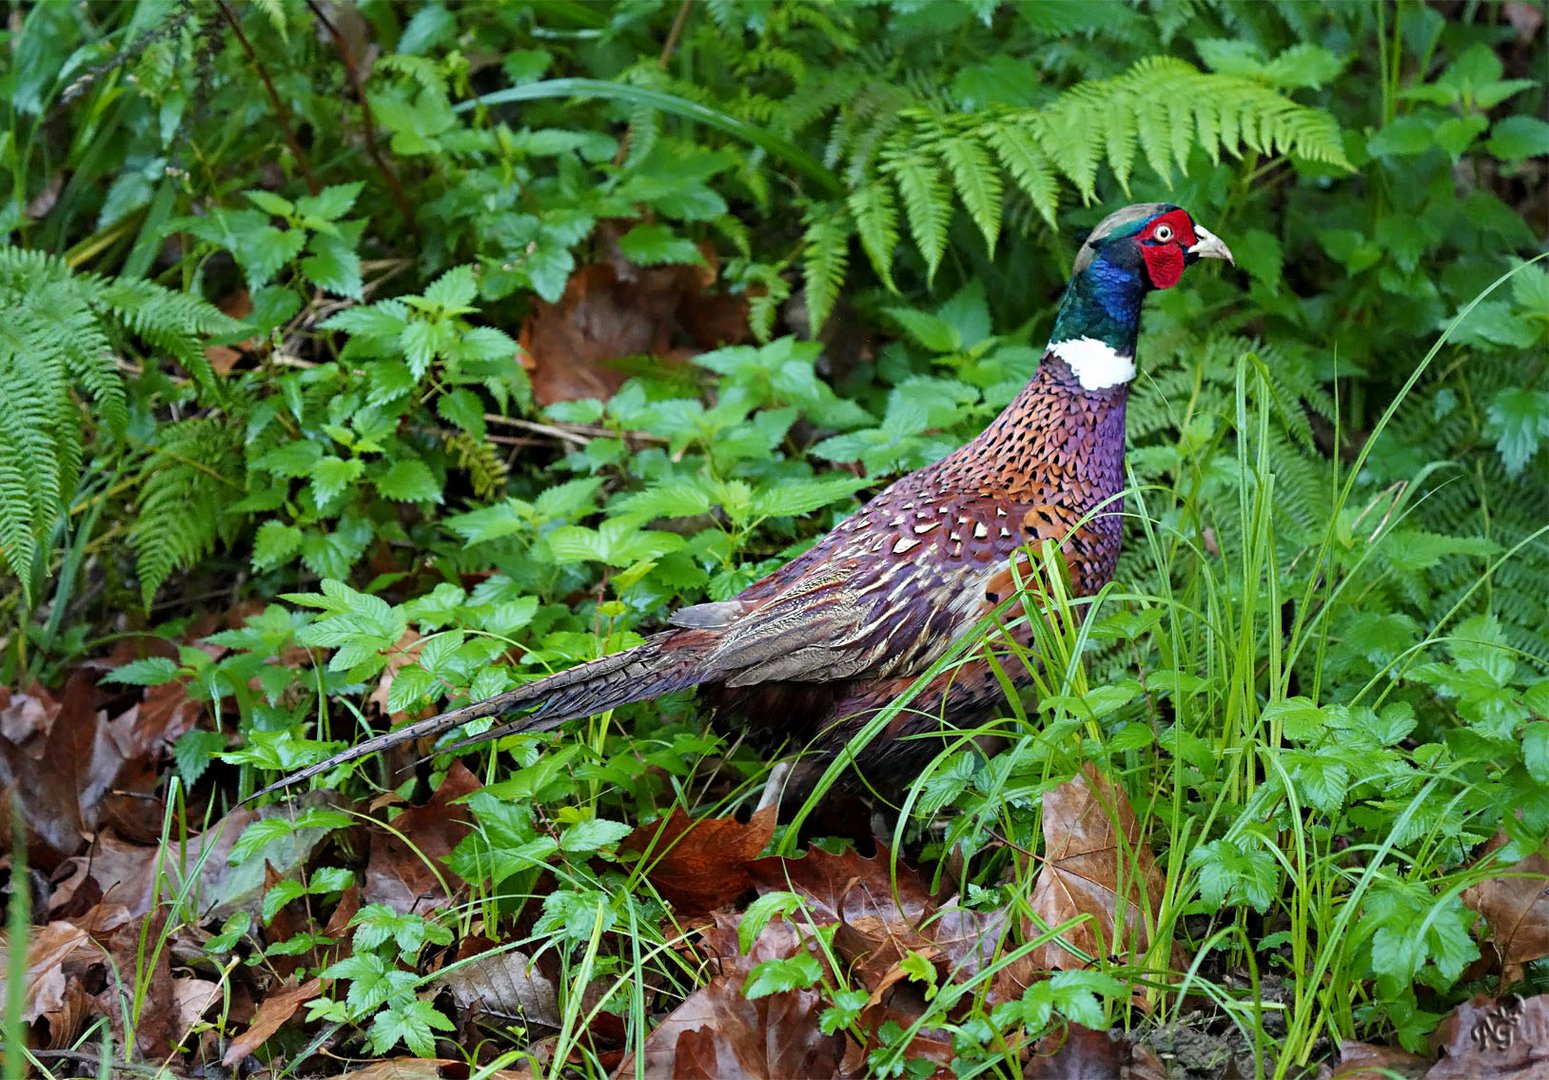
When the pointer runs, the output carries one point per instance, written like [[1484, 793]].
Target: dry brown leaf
[[278, 1006], [24, 716], [194, 997], [1516, 907], [1526, 18], [54, 953], [1365, 1061], [114, 870], [1489, 1040], [154, 1020], [1079, 1053], [698, 866], [505, 985], [883, 913], [613, 310], [397, 874], [970, 941], [405, 652], [1084, 867], [239, 305], [849, 887], [718, 1033]]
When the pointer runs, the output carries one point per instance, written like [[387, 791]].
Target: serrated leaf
[[777, 976], [453, 292], [275, 544], [332, 475], [1516, 420], [803, 496], [655, 245], [150, 671], [593, 835], [931, 331], [332, 203], [334, 266], [409, 480]]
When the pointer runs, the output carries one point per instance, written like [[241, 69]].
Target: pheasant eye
[[1163, 233]]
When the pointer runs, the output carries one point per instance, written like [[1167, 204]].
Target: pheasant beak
[[1209, 246]]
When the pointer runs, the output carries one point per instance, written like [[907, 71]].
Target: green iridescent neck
[[1102, 303]]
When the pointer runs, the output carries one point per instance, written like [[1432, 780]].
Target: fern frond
[[179, 512], [976, 180], [1028, 166], [59, 381], [927, 203], [825, 258], [876, 222]]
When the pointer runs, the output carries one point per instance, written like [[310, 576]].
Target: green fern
[[179, 515], [929, 161], [59, 380]]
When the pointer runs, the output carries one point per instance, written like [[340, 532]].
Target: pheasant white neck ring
[[1096, 364]]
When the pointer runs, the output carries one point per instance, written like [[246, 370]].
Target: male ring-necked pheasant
[[819, 645]]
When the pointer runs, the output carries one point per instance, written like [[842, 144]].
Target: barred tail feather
[[666, 662]]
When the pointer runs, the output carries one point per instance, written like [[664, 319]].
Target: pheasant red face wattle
[[809, 653]]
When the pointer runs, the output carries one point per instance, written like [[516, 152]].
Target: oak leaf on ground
[[718, 1032], [698, 866], [1087, 866]]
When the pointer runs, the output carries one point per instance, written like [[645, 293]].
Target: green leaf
[[193, 752], [463, 408], [760, 912], [876, 223], [1402, 136], [1517, 138], [1304, 66], [803, 496], [409, 480], [825, 259], [592, 835], [653, 245], [150, 671], [1516, 421], [409, 686], [412, 1022], [930, 331], [977, 182], [1458, 134], [330, 204], [453, 292], [332, 475], [927, 207], [275, 544], [777, 976], [1535, 750], [271, 203], [334, 266]]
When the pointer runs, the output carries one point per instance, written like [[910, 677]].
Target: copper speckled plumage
[[817, 646]]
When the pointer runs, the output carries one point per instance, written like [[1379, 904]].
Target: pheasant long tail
[[667, 662]]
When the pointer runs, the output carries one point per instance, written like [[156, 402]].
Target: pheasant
[[818, 646]]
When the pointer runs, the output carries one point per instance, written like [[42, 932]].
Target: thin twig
[[580, 434], [280, 110], [368, 126]]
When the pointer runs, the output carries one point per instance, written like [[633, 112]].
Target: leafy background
[[359, 358]]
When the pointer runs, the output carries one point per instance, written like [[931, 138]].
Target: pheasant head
[[1131, 252]]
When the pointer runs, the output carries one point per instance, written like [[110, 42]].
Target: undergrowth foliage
[[361, 362]]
